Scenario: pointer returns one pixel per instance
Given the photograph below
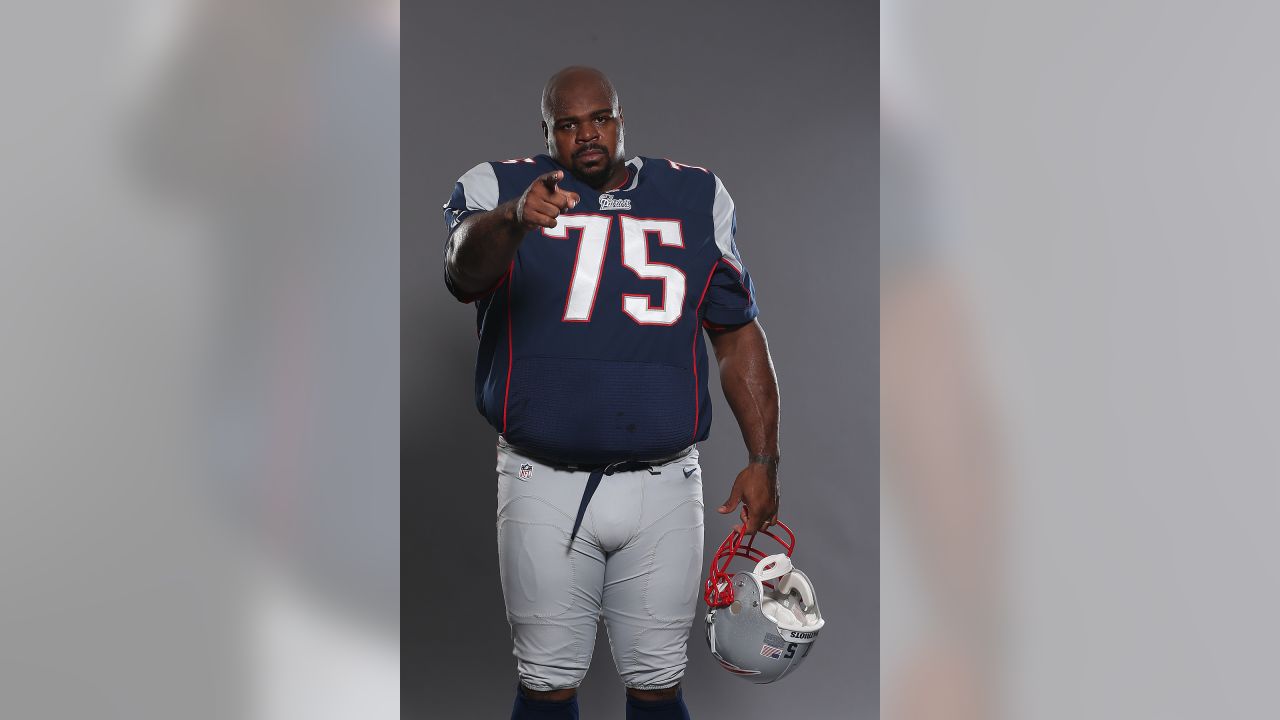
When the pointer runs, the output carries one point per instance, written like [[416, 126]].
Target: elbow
[[468, 289], [457, 282], [459, 286]]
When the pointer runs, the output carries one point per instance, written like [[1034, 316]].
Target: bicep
[[730, 341]]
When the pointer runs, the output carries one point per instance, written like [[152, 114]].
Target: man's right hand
[[482, 247], [543, 201]]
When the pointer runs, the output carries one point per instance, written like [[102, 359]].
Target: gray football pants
[[637, 560]]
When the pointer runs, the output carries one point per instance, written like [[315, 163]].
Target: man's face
[[586, 132]]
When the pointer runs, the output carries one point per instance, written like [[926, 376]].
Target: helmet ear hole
[[735, 607]]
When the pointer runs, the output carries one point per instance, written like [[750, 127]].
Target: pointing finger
[[551, 179]]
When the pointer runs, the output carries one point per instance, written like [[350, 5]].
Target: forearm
[[481, 249], [751, 387]]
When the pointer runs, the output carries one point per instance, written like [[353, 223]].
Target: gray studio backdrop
[[780, 100]]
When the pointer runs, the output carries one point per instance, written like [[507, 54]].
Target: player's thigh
[[552, 594], [651, 585], [542, 577]]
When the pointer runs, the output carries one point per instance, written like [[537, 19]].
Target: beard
[[598, 176]]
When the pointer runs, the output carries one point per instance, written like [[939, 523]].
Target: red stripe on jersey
[[510, 350], [494, 289], [625, 178], [697, 312], [467, 299], [741, 281]]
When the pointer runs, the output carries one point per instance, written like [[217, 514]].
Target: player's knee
[[547, 679], [654, 695], [652, 679], [560, 695], [549, 705], [656, 704], [654, 664]]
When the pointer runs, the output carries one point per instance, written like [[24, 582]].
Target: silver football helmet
[[761, 623]]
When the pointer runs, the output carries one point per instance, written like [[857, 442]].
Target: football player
[[595, 278]]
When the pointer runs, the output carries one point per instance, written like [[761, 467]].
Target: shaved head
[[569, 82], [583, 126]]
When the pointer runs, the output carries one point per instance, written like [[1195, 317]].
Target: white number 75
[[589, 264]]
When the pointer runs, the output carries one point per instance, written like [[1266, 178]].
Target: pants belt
[[597, 474], [593, 482]]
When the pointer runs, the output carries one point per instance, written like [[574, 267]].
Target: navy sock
[[526, 709], [672, 709]]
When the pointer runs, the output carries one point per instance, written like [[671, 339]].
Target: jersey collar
[[629, 182]]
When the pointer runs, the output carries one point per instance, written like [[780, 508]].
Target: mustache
[[589, 148]]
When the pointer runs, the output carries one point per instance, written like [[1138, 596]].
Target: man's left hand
[[756, 487]]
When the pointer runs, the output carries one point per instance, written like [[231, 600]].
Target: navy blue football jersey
[[591, 347]]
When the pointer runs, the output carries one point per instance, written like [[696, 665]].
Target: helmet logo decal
[[773, 646]]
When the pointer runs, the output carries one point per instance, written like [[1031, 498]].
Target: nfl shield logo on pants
[[526, 471]]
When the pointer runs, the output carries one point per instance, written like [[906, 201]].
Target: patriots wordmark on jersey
[[591, 348]]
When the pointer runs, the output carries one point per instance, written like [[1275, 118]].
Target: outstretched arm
[[481, 248], [751, 387]]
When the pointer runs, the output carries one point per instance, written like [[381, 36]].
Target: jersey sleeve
[[475, 192], [730, 295]]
